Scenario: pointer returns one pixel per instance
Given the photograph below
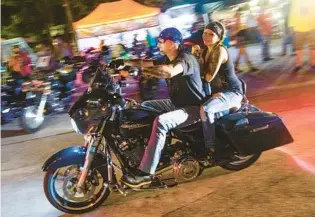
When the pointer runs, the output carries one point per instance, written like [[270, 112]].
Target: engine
[[132, 149]]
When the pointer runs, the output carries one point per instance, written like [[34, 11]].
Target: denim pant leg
[[162, 124], [265, 47], [214, 105], [285, 43]]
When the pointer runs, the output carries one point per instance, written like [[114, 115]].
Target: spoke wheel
[[61, 189], [30, 121]]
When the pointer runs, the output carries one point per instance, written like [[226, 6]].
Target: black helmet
[[171, 34]]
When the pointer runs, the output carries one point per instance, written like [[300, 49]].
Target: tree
[[33, 18]]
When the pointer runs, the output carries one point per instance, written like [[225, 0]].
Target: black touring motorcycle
[[78, 179]]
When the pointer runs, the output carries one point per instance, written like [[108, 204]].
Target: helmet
[[171, 34]]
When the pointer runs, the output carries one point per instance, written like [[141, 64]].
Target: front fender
[[65, 157]]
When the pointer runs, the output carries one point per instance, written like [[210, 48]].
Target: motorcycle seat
[[152, 106], [190, 128]]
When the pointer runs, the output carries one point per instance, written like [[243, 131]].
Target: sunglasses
[[161, 41]]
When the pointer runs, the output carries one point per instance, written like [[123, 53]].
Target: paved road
[[281, 183]]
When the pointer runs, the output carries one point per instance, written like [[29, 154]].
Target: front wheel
[[30, 121], [60, 189], [240, 162]]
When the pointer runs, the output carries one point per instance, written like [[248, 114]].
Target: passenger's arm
[[219, 57]]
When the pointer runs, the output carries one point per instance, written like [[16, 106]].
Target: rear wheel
[[60, 189], [239, 162]]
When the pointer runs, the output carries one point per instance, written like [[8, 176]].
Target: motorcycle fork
[[112, 180], [90, 153], [41, 106]]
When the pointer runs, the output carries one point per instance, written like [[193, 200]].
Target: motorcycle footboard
[[263, 132]]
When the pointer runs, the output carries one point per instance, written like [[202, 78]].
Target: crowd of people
[[298, 31], [19, 62]]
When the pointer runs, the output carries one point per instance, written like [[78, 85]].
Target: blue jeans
[[161, 126], [288, 39], [215, 107], [266, 46]]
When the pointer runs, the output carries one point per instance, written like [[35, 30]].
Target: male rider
[[186, 94]]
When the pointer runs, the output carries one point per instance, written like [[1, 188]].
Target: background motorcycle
[[49, 94], [80, 178], [12, 99]]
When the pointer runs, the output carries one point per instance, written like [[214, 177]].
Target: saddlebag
[[255, 132]]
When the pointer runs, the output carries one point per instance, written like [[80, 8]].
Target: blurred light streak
[[299, 161], [253, 3]]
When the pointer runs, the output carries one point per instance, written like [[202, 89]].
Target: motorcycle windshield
[[95, 96]]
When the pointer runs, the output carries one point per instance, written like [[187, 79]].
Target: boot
[[237, 69], [141, 178], [251, 67], [209, 135]]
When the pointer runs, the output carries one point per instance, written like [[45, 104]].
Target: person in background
[[252, 28], [239, 32], [302, 20], [151, 43], [62, 49], [104, 50], [46, 59], [136, 46], [288, 39], [289, 36], [265, 28], [19, 63], [44, 50]]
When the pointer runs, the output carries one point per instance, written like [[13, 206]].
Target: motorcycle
[[79, 179], [49, 94], [12, 99]]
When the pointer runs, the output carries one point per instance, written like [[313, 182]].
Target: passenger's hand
[[195, 50], [216, 95], [115, 64]]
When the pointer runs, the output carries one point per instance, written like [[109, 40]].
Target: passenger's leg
[[223, 102]]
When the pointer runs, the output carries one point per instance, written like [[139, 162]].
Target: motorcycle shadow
[[12, 133]]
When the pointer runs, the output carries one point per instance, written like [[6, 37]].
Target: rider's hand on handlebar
[[124, 74], [115, 64]]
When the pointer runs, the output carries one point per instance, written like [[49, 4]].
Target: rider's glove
[[115, 64]]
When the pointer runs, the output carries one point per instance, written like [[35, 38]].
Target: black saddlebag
[[254, 132]]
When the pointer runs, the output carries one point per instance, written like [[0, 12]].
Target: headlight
[[74, 126], [6, 110]]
